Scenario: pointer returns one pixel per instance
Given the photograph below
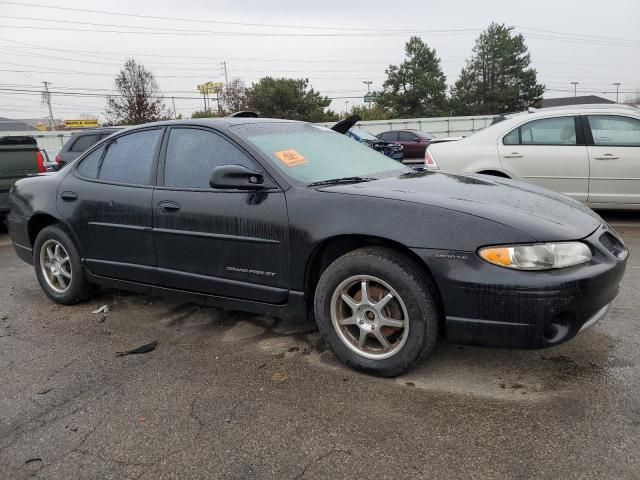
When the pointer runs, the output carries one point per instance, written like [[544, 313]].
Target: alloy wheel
[[370, 317]]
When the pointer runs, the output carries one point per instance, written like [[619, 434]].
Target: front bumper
[[489, 305]]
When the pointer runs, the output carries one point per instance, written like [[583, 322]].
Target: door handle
[[607, 156], [514, 155], [169, 207], [69, 196]]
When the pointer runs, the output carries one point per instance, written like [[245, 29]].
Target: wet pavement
[[230, 395]]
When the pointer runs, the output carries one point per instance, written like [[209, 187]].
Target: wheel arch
[[334, 247], [494, 172], [41, 220]]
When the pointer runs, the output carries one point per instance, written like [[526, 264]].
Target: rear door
[[107, 200], [549, 152], [614, 157], [225, 242]]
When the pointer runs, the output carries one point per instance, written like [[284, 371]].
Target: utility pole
[[173, 101], [46, 98], [575, 89], [224, 67], [346, 108], [617, 84]]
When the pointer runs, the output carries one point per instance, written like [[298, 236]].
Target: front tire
[[58, 267], [377, 311]]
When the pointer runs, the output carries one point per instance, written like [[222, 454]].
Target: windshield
[[310, 153], [364, 135]]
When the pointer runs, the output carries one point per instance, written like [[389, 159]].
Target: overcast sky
[[593, 42]]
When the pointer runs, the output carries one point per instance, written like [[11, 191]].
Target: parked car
[[79, 142], [19, 157], [414, 142], [589, 152], [392, 150], [292, 220]]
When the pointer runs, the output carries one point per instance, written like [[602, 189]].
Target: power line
[[200, 20], [297, 27], [192, 33], [91, 54]]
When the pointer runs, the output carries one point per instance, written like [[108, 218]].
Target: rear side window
[[83, 142], [192, 154], [89, 166], [546, 131], [512, 138], [129, 158], [615, 130]]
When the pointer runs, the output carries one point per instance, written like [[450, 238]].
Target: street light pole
[[617, 84], [346, 108], [368, 84], [575, 89]]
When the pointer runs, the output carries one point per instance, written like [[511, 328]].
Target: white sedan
[[589, 152]]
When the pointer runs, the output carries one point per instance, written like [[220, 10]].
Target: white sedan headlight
[[538, 256]]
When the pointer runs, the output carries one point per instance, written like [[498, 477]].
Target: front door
[[107, 200], [614, 157], [549, 152], [230, 243]]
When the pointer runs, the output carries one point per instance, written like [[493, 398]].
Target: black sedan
[[292, 220]]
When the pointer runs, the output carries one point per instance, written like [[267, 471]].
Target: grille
[[611, 243]]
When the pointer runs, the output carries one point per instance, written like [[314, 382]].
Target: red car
[[415, 142]]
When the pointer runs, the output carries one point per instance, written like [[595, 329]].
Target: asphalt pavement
[[233, 396]]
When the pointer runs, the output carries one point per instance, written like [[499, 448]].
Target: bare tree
[[138, 100], [233, 97]]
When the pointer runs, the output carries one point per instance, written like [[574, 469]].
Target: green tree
[[138, 100], [415, 88], [375, 112], [498, 77], [289, 98]]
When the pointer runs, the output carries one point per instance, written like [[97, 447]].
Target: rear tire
[[391, 326], [58, 267]]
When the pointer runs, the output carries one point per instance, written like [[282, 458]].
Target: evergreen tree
[[498, 77], [415, 88]]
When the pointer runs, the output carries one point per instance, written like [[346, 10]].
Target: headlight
[[541, 256]]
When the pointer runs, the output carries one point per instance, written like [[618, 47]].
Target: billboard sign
[[80, 123]]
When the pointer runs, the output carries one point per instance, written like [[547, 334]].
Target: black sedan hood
[[538, 212]]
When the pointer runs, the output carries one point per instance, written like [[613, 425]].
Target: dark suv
[[80, 142]]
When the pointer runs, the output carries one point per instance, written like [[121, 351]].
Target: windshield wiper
[[336, 181]]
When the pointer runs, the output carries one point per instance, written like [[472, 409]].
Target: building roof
[[12, 125], [580, 100]]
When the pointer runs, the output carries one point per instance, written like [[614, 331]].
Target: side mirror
[[237, 176]]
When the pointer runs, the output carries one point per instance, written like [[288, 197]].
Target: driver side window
[[406, 137], [193, 153]]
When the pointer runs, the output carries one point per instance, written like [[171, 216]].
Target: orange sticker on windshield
[[291, 158]]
